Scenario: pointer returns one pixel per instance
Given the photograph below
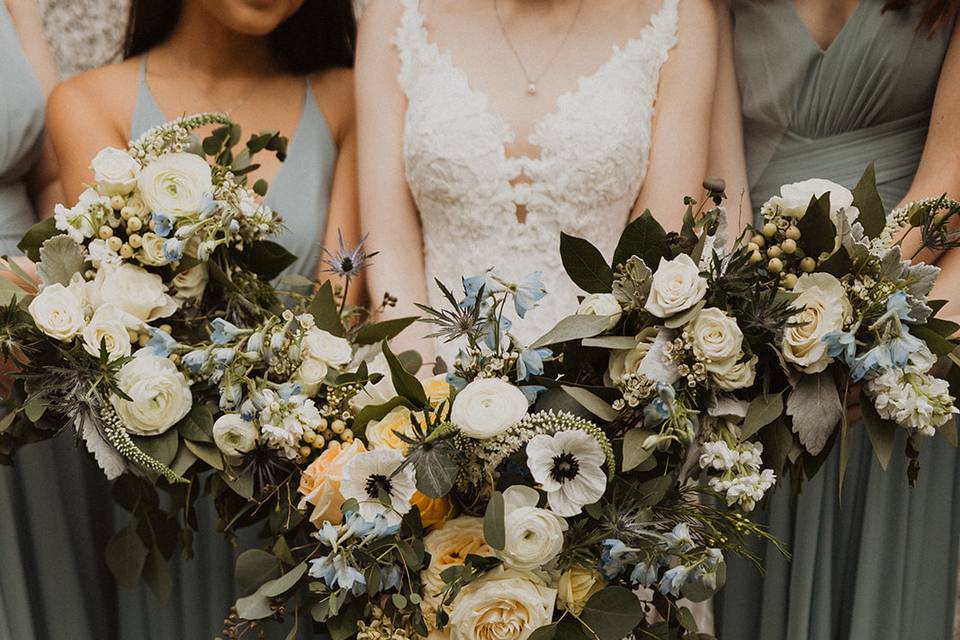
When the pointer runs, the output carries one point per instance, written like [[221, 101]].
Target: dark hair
[[936, 13], [322, 33]]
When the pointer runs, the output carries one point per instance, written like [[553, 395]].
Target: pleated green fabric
[[881, 565]]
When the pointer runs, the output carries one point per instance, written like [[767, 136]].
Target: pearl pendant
[[532, 89]]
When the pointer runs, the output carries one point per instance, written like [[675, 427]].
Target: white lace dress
[[594, 148]]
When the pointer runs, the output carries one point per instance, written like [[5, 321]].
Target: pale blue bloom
[[613, 557], [173, 249], [527, 293], [531, 362], [322, 569], [224, 331], [532, 392], [289, 389], [255, 343], [496, 331], [895, 353], [644, 574], [335, 571], [248, 410], [390, 577], [230, 396], [224, 356], [162, 223], [673, 580], [897, 303], [660, 407], [209, 206], [679, 539], [195, 360], [328, 534], [471, 289], [234, 226], [841, 344], [161, 342]]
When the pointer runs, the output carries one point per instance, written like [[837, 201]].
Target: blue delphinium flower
[[471, 289], [673, 580], [841, 344], [230, 396], [208, 206], [161, 343], [894, 353], [328, 534], [531, 392], [679, 540], [173, 249], [195, 360], [644, 574], [897, 303], [708, 569], [390, 577], [255, 343], [162, 223], [322, 569], [527, 293], [224, 356], [613, 557], [336, 571], [531, 362], [289, 389], [248, 410], [224, 331], [660, 407], [496, 331]]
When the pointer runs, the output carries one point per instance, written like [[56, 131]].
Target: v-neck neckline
[[840, 34]]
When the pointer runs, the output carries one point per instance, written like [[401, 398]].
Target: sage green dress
[[53, 519], [883, 565]]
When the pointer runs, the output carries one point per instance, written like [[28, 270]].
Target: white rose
[[575, 587], [135, 291], [375, 393], [625, 362], [109, 325], [233, 435], [504, 604], [176, 184], [716, 338], [151, 250], [601, 304], [534, 536], [326, 347], [676, 286], [795, 198], [191, 283], [58, 312], [825, 307], [115, 171], [159, 395], [738, 375], [84, 218], [310, 375], [487, 407]]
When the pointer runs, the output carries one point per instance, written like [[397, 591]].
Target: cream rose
[[504, 604], [326, 347], [320, 482], [191, 283], [58, 312], [625, 362], [448, 546], [676, 286], [135, 291], [716, 338], [824, 308], [233, 435], [151, 250], [534, 536], [310, 375], [739, 375], [176, 184], [575, 587], [115, 171], [159, 395], [382, 434], [487, 407], [109, 326], [795, 198], [601, 304]]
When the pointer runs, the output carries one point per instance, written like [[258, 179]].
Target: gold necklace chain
[[241, 100], [533, 81]]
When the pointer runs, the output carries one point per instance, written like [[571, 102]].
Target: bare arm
[[681, 127], [726, 158], [387, 210], [939, 170]]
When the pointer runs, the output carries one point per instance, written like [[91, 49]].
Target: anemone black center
[[565, 467], [376, 483]]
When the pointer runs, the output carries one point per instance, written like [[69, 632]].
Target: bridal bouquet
[[157, 336]]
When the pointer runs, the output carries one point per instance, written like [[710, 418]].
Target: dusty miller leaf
[[814, 404], [60, 258]]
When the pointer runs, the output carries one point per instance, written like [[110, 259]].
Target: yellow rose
[[432, 510], [575, 587], [320, 482], [382, 434], [448, 546], [437, 389]]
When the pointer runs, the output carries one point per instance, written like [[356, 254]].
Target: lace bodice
[[594, 148]]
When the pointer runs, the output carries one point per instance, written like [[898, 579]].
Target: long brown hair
[[936, 14]]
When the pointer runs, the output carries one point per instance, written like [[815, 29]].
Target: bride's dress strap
[[411, 41]]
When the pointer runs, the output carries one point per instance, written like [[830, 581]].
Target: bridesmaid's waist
[[894, 146]]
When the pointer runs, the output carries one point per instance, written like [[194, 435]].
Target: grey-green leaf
[[593, 403], [493, 526], [60, 258], [255, 567], [816, 410], [573, 328], [763, 410], [881, 432], [125, 555], [612, 613]]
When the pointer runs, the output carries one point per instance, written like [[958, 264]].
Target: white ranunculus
[[135, 291], [795, 198], [825, 307], [487, 407], [504, 604], [717, 339], [534, 536], [109, 326], [375, 393], [326, 347], [601, 304], [191, 283], [176, 184], [310, 375], [115, 171], [159, 395], [84, 218], [738, 375], [233, 435], [58, 312], [676, 286]]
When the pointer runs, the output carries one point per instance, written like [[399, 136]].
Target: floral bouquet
[[161, 336]]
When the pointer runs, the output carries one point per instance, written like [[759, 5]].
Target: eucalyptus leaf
[[573, 327], [882, 433], [156, 573], [592, 403], [35, 406], [653, 491], [197, 425], [544, 633], [386, 330], [763, 410], [644, 238], [254, 607], [494, 531], [686, 620], [436, 470], [585, 264], [255, 567], [611, 342], [260, 187], [612, 613], [184, 459], [633, 452], [209, 453], [240, 481], [677, 321], [60, 258], [162, 448], [284, 583], [125, 556], [816, 410], [376, 412]]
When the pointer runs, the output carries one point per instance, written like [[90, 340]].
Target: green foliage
[[634, 454], [436, 469], [573, 328], [197, 425], [325, 312], [266, 258], [34, 238], [405, 383], [866, 198], [881, 433], [585, 264], [592, 403], [818, 233], [644, 238], [126, 555], [494, 531], [375, 332], [763, 410], [612, 613]]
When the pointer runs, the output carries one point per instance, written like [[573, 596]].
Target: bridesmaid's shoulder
[[333, 91], [105, 93]]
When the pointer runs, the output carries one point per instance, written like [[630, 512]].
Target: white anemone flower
[[372, 472], [569, 467]]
